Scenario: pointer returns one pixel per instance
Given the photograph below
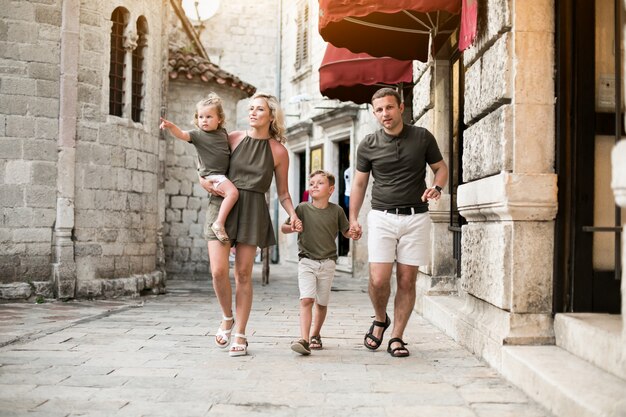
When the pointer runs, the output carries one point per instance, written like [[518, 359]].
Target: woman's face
[[259, 113]]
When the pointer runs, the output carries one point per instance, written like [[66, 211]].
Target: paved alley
[[155, 356]]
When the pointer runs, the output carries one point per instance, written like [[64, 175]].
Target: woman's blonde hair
[[211, 100], [277, 126]]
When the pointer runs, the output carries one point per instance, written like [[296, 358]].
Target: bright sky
[[206, 8]]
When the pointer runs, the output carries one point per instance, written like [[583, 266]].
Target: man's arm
[[441, 178], [357, 195]]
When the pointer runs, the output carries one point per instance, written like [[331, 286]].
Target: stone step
[[564, 383], [575, 331]]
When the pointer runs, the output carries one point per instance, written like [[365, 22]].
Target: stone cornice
[[509, 197]]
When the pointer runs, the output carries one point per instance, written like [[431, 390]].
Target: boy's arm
[[175, 130]]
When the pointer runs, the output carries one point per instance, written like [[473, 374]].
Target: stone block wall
[[509, 195], [186, 201], [29, 113]]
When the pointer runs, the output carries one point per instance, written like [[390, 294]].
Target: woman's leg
[[218, 258], [244, 260]]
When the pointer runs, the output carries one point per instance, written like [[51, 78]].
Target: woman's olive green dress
[[251, 170]]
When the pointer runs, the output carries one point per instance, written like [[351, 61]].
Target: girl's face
[[259, 113], [208, 118]]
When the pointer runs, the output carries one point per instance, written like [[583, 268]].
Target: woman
[[256, 155]]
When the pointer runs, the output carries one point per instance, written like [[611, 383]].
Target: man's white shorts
[[315, 279], [396, 237]]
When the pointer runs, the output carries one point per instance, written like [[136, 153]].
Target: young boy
[[211, 142], [321, 220]]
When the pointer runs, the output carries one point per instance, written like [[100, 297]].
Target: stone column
[[618, 183], [63, 266], [510, 193]]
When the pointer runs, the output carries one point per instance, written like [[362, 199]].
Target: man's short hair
[[386, 91], [328, 175]]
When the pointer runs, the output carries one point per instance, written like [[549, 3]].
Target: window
[[118, 53], [302, 38], [138, 70]]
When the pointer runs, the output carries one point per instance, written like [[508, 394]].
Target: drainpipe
[[279, 42]]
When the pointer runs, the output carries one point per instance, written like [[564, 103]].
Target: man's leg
[[379, 289], [404, 300]]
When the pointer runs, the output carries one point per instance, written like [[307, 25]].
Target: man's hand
[[355, 230], [431, 194]]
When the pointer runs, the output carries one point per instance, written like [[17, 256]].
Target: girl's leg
[[244, 260], [306, 311], [218, 258], [230, 198]]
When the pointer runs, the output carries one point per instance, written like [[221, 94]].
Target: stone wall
[[29, 118], [79, 187], [186, 201], [242, 39]]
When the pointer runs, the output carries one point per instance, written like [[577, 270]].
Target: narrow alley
[[155, 356]]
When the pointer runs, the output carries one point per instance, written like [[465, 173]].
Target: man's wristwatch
[[438, 188]]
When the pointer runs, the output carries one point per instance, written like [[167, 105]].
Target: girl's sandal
[[224, 334], [220, 233], [239, 349], [316, 342]]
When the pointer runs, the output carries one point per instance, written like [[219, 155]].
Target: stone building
[[86, 177], [527, 241]]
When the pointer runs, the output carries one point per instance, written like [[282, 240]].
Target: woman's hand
[[210, 187], [296, 223]]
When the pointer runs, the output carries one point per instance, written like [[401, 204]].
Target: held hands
[[296, 223], [355, 230]]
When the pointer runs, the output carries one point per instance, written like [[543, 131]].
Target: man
[[398, 224]]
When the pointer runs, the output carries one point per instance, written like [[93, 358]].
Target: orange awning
[[347, 76], [402, 29]]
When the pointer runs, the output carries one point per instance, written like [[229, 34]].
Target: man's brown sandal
[[370, 333], [301, 346], [399, 352]]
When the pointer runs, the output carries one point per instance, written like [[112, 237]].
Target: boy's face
[[208, 118], [320, 188]]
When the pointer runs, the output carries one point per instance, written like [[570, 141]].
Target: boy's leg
[[231, 194], [306, 311], [324, 282]]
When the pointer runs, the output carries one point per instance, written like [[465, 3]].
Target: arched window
[[138, 70], [119, 17]]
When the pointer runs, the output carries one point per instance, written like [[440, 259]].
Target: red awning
[[347, 76], [401, 29]]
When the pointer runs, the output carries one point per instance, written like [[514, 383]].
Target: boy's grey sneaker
[[301, 346]]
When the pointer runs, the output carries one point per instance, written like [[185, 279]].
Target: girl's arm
[[175, 130]]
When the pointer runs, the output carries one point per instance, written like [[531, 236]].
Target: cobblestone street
[[155, 356]]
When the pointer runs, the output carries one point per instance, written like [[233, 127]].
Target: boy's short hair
[[328, 175]]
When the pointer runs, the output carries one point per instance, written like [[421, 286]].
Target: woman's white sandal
[[224, 334], [239, 349]]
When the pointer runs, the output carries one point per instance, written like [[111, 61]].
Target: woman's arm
[[281, 170]]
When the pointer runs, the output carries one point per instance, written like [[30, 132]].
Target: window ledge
[[301, 73]]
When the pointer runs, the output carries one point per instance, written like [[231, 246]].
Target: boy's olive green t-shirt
[[320, 228]]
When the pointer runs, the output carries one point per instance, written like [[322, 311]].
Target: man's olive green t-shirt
[[320, 228], [398, 165]]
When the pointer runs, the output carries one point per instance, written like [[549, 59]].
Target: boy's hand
[[355, 231]]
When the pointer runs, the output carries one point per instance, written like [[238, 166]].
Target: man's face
[[388, 112]]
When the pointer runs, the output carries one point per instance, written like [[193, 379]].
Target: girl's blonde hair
[[277, 126], [211, 100]]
